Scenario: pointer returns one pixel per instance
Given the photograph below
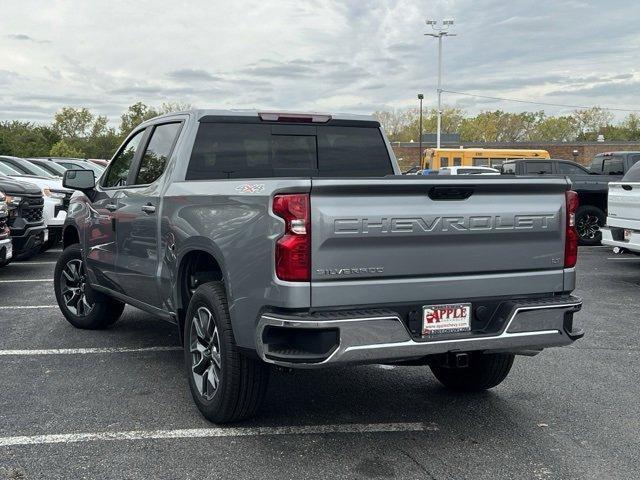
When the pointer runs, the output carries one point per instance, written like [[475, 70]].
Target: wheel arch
[[70, 235], [196, 265]]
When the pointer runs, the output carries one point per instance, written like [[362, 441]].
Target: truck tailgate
[[623, 208], [418, 239]]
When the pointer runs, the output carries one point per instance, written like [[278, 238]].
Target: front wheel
[[484, 371], [79, 304], [226, 385], [589, 219]]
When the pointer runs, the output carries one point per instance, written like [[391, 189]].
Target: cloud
[[330, 55], [192, 75], [21, 37]]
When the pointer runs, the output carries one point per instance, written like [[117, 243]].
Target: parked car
[[25, 167], [622, 230], [6, 249], [591, 188], [614, 164], [468, 171], [99, 161], [24, 203], [77, 163], [56, 198], [293, 240], [53, 168]]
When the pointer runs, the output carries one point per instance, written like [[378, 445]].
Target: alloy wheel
[[73, 284], [588, 227], [206, 360]]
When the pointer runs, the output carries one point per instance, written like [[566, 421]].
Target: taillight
[[571, 235], [293, 249]]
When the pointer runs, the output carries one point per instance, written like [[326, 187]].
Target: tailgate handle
[[627, 187], [450, 193]]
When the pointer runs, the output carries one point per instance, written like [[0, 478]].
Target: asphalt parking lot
[[115, 403]]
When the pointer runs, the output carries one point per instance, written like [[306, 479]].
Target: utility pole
[[420, 97], [439, 32]]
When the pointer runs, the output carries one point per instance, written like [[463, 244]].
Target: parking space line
[[22, 264], [217, 432], [624, 258], [27, 307], [31, 280], [83, 351]]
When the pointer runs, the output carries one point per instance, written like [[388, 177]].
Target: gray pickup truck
[[293, 240]]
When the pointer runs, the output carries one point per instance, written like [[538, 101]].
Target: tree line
[[500, 126], [76, 132]]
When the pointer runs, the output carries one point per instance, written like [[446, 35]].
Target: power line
[[582, 107]]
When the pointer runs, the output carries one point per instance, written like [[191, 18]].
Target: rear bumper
[[381, 336], [633, 244]]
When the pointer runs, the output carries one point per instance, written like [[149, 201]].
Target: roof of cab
[[200, 113]]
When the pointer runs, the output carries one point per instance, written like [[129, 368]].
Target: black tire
[[589, 219], [92, 310], [212, 356], [4, 263], [485, 371]]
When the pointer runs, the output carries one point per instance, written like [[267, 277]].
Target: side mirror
[[79, 179]]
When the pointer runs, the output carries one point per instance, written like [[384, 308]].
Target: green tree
[[24, 139], [73, 123], [591, 121], [556, 129], [63, 149], [134, 116]]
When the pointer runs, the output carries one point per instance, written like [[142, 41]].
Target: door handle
[[627, 187], [148, 208], [111, 207]]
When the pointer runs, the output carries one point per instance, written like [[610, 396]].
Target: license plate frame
[[446, 318]]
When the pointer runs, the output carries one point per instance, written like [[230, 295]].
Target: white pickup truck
[[623, 220]]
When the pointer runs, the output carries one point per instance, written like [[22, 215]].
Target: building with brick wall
[[582, 152]]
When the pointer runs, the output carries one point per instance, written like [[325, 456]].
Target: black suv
[[24, 203]]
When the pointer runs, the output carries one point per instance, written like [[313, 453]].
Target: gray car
[[292, 239]]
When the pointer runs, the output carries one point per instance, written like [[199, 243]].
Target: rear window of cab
[[239, 150]]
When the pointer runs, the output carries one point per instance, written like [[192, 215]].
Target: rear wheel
[[80, 305], [226, 385], [589, 219], [485, 371]]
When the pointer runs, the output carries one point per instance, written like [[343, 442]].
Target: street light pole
[[440, 32], [420, 97]]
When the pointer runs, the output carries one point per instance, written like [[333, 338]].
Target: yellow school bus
[[435, 158]]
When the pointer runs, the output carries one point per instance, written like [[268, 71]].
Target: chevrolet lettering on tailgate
[[391, 225]]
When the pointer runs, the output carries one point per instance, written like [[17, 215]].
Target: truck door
[[138, 218], [101, 247]]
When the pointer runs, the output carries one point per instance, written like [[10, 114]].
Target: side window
[[444, 162], [120, 165], [633, 174], [613, 166], [480, 162], [569, 169], [457, 161], [157, 153], [596, 165], [633, 159], [536, 167]]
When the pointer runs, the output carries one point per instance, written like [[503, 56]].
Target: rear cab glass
[[262, 150]]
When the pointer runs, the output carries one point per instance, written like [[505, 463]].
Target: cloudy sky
[[323, 55]]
